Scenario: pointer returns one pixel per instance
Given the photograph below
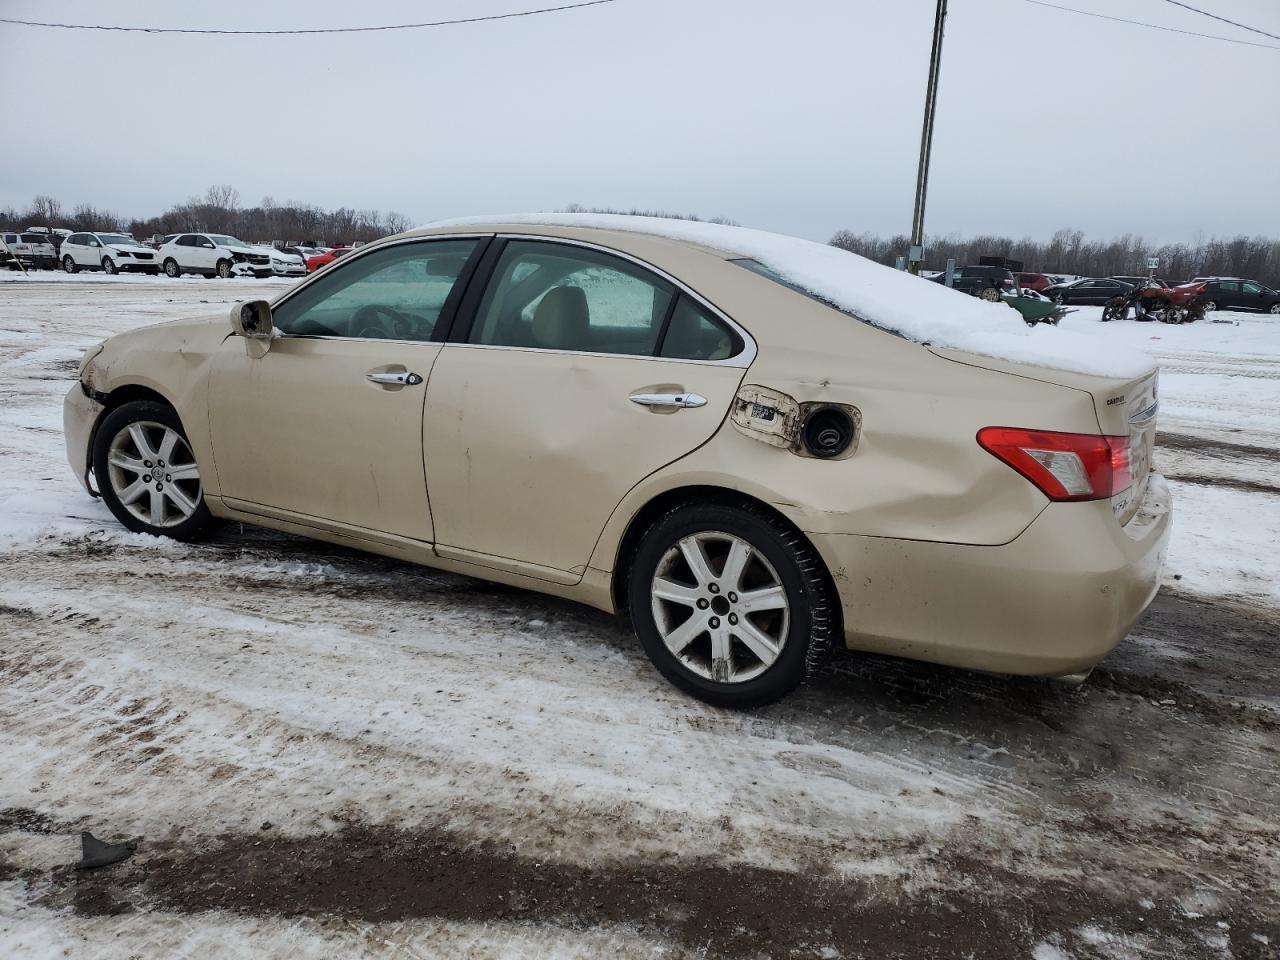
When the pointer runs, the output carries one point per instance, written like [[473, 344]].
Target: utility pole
[[916, 254]]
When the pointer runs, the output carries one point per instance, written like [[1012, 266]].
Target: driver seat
[[562, 320]]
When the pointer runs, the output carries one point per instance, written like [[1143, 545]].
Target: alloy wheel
[[154, 474], [1275, 308], [720, 607], [1210, 306]]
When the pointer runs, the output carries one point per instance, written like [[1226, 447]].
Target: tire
[[1209, 306], [799, 634], [1060, 299], [109, 266], [70, 265], [223, 269], [114, 445], [990, 294], [171, 268], [1275, 309]]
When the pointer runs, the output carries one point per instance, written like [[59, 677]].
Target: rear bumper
[[79, 416], [1053, 601]]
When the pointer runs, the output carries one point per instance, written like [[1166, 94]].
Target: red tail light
[[1063, 466]]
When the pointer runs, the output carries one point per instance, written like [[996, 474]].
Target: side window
[[186, 240], [553, 296], [694, 334], [396, 293], [1251, 288], [1229, 287]]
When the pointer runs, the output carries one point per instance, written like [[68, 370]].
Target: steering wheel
[[379, 322]]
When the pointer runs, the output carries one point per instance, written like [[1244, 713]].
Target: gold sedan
[[670, 423]]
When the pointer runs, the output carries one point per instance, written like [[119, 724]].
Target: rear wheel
[[69, 265], [1275, 309], [171, 268], [731, 604], [147, 474], [1059, 298], [1209, 306], [990, 294]]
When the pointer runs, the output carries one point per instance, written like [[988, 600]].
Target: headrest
[[562, 320]]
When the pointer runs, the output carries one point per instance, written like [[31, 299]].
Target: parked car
[[1238, 295], [326, 258], [1087, 291], [1038, 282], [985, 282], [284, 263], [212, 255], [637, 415], [108, 252], [33, 248]]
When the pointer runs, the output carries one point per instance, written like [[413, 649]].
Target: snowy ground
[[329, 754]]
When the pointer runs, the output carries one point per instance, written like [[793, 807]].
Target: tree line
[[218, 211], [1068, 252]]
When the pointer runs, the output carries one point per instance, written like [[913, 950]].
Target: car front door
[[573, 374], [327, 425], [1253, 296]]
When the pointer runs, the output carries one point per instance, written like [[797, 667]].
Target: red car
[[1186, 292], [324, 259], [1034, 281]]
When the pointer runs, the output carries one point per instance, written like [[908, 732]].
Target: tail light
[[1063, 466]]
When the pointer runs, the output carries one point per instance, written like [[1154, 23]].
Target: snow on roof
[[893, 300]]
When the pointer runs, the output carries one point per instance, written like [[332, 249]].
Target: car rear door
[[326, 427], [574, 373]]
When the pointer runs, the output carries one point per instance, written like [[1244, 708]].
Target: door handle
[[394, 379], [669, 399]]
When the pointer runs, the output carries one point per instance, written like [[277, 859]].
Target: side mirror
[[251, 320]]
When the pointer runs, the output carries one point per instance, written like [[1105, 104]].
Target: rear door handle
[[402, 379], [669, 399]]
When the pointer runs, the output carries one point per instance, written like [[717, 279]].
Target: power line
[[264, 33], [1153, 26], [1214, 16]]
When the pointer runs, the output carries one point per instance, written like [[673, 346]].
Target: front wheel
[[224, 269], [69, 265], [731, 604], [171, 268], [147, 474], [108, 266]]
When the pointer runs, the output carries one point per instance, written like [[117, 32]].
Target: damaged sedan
[[752, 445]]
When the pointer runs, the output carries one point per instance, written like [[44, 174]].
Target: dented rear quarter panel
[[918, 472]]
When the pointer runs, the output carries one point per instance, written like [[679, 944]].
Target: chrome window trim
[[742, 359]]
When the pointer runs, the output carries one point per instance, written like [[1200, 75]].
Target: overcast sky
[[801, 116]]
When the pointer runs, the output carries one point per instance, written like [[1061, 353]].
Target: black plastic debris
[[95, 853]]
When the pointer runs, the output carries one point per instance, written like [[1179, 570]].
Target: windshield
[[225, 241], [115, 238]]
